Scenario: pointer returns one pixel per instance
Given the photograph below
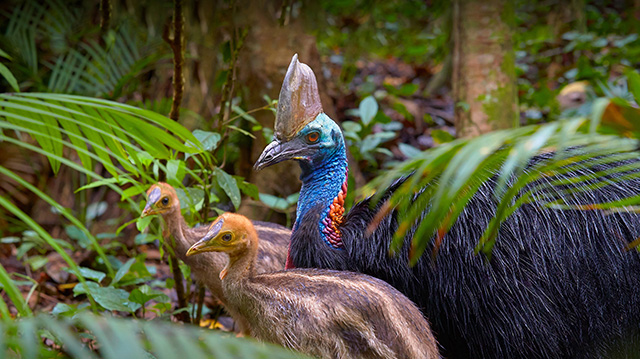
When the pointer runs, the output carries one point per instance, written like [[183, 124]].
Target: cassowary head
[[161, 199], [230, 233], [302, 131]]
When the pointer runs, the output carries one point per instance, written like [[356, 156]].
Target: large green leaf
[[108, 297], [229, 185], [368, 109], [208, 139]]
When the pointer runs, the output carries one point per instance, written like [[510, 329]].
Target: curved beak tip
[[195, 249], [258, 165], [269, 156]]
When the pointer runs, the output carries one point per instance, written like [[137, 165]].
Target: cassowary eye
[[312, 137], [226, 237], [165, 201]]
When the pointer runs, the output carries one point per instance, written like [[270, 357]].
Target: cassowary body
[[560, 283], [323, 313]]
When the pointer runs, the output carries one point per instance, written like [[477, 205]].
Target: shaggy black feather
[[560, 283]]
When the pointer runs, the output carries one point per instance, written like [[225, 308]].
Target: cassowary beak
[[278, 151], [208, 242]]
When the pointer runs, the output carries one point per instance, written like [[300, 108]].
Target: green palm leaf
[[446, 177], [114, 131], [86, 336]]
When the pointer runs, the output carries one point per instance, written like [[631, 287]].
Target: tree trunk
[[267, 54], [262, 63], [484, 83]]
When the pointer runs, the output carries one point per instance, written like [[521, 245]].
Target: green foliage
[[361, 138], [229, 185], [119, 137], [14, 295], [114, 131], [100, 70], [81, 63], [89, 336], [554, 49], [286, 205], [410, 30], [6, 73]]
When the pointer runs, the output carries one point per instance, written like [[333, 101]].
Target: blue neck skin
[[322, 178]]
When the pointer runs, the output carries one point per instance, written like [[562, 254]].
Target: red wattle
[[289, 263]]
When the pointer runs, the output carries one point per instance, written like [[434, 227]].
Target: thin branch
[[177, 45], [105, 15], [227, 90], [179, 283], [284, 11], [265, 107], [199, 304]]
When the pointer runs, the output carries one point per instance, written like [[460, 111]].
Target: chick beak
[[205, 243], [198, 247], [147, 211]]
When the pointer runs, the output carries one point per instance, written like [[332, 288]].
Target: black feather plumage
[[560, 283]]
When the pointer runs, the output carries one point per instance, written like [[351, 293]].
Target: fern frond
[[97, 70]]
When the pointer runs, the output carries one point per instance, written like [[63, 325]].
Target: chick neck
[[183, 238], [241, 265], [176, 225]]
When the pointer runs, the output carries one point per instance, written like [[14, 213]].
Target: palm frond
[[17, 300], [90, 336], [446, 177], [22, 28], [113, 131], [13, 293]]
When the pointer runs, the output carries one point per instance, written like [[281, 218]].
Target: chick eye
[[165, 201], [226, 237], [312, 137]]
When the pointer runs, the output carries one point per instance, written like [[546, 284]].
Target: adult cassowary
[[560, 283]]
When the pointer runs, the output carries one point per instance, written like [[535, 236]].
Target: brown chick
[[573, 95], [272, 254], [323, 313]]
